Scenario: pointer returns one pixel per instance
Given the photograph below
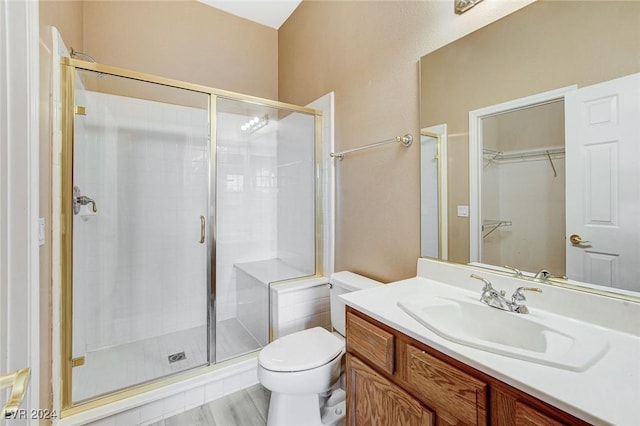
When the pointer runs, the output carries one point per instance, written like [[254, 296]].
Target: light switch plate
[[41, 230], [463, 211]]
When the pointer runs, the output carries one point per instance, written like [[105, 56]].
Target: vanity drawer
[[448, 390], [370, 342]]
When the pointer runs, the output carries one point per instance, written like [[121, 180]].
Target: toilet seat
[[301, 351]]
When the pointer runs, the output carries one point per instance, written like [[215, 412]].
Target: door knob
[[577, 239]]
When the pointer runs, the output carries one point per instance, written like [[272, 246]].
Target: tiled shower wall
[[138, 265], [139, 269], [296, 197], [265, 196], [246, 194]]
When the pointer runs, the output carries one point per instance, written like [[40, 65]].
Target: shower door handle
[[202, 229]]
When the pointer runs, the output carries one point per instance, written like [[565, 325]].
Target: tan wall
[[367, 53], [184, 40], [545, 46]]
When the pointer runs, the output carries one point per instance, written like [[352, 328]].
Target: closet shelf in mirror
[[524, 155], [549, 153], [492, 225]]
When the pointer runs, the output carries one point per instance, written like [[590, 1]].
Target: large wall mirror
[[529, 184]]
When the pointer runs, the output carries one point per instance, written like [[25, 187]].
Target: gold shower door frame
[[68, 69]]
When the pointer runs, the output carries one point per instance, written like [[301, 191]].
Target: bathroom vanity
[[401, 372], [392, 376]]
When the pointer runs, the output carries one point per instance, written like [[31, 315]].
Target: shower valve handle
[[82, 200]]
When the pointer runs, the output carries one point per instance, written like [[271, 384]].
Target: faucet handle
[[518, 295], [516, 271], [487, 283], [518, 299]]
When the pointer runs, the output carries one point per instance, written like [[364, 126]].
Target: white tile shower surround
[[213, 384], [264, 212], [300, 305], [295, 305], [308, 319], [296, 198]]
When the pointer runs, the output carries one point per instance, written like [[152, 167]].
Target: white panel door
[[603, 183], [19, 249]]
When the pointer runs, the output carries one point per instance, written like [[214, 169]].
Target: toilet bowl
[[302, 370]]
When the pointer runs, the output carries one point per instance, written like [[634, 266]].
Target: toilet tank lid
[[351, 281], [300, 351]]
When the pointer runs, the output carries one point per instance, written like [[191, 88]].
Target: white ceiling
[[271, 13]]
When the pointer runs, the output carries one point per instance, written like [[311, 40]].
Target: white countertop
[[606, 393]]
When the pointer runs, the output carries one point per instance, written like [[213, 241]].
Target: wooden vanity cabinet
[[393, 379], [454, 394], [510, 407], [374, 400]]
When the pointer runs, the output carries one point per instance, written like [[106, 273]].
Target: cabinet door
[[529, 416], [449, 391], [372, 400]]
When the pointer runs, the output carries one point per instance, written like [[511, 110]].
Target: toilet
[[302, 370]]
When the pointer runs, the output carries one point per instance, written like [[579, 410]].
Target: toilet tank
[[340, 283]]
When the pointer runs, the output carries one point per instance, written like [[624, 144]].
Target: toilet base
[[334, 413], [305, 410]]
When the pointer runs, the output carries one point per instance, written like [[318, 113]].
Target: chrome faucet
[[490, 296], [545, 275]]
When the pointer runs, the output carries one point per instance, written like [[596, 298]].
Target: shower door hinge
[[80, 110], [77, 362]]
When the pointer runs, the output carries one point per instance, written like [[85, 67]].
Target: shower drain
[[177, 357]]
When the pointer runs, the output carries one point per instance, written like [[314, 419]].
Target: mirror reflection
[[519, 191], [433, 192], [523, 189]]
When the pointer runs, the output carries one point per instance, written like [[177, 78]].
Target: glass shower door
[[265, 216], [140, 247]]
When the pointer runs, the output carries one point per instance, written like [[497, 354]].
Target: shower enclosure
[[173, 194]]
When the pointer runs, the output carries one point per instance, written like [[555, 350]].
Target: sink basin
[[559, 343]]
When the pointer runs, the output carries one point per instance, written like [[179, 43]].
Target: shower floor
[[233, 340], [111, 369]]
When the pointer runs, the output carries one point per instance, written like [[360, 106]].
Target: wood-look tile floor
[[247, 407]]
